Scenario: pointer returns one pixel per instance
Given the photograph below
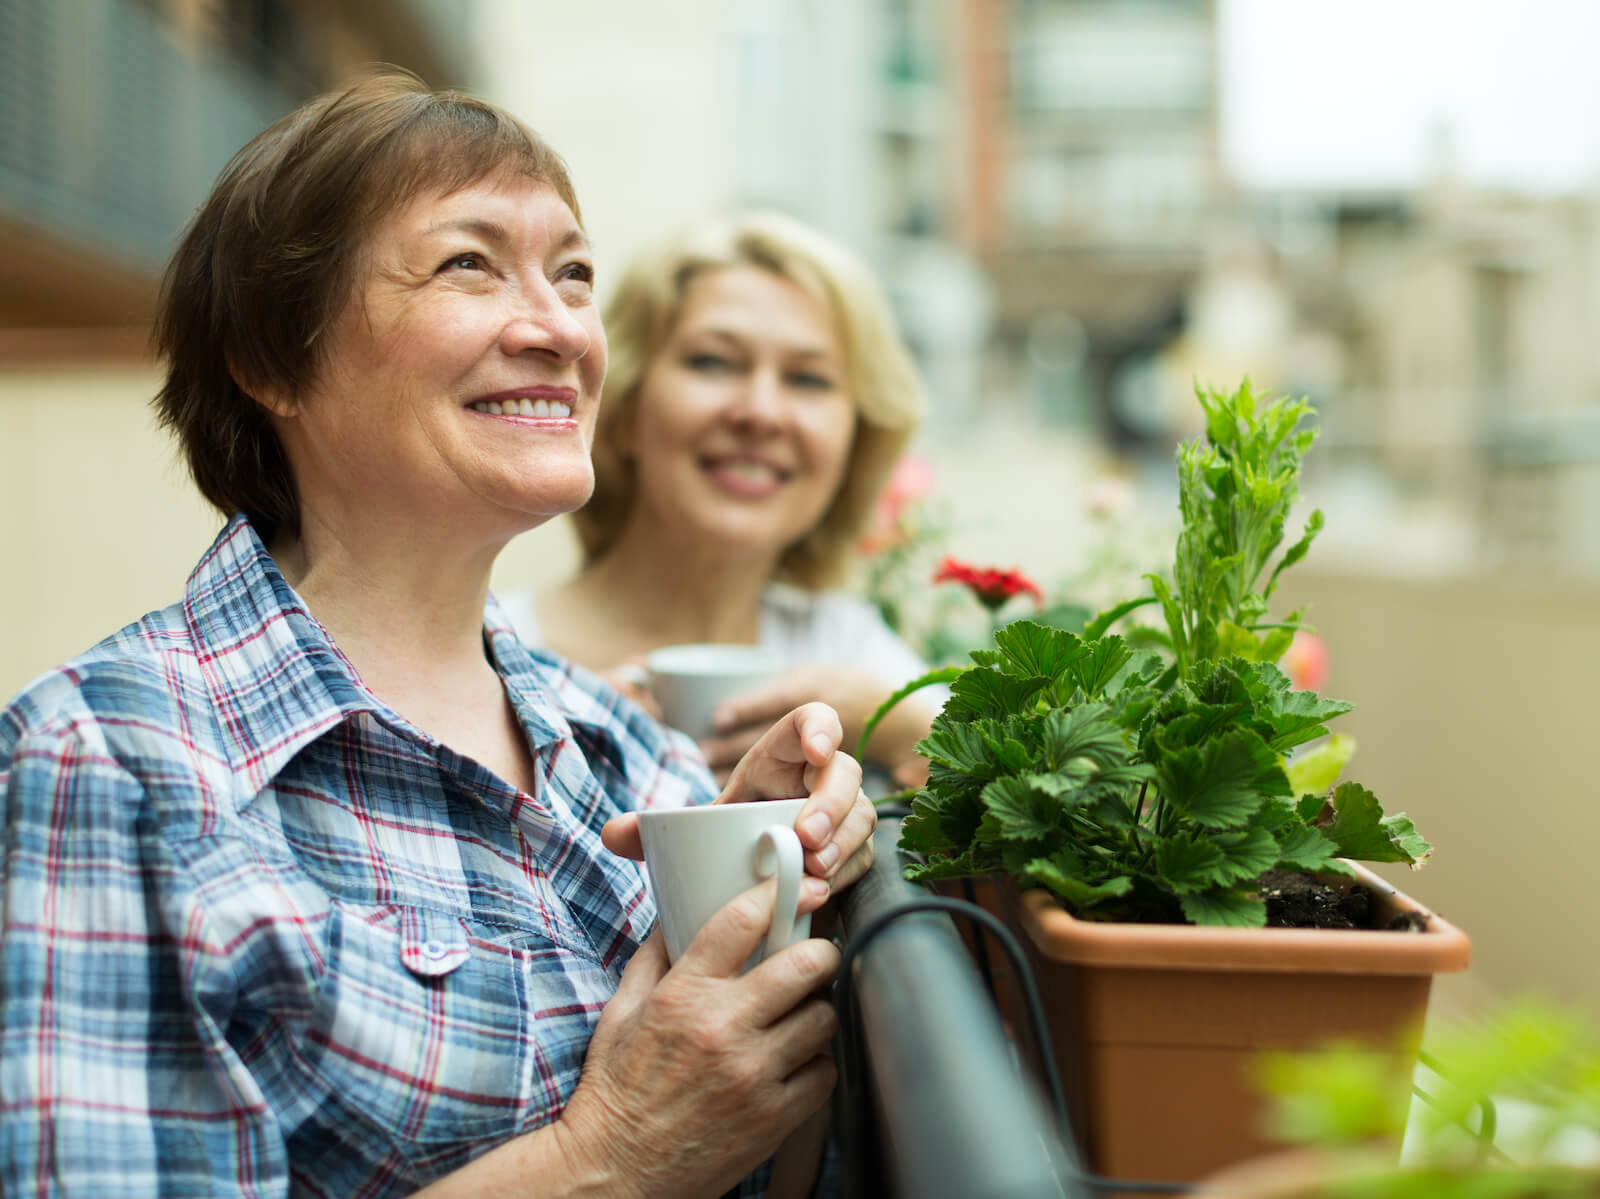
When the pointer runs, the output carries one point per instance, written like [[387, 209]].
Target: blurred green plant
[[1533, 1059]]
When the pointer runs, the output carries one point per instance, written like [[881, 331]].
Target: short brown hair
[[274, 253], [880, 377]]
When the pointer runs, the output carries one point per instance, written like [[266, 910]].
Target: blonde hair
[[879, 375]]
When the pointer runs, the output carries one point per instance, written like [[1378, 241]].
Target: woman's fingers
[[620, 835], [848, 854]]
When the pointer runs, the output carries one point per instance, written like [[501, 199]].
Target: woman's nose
[[543, 323], [760, 400]]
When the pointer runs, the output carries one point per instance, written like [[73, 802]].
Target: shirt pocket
[[418, 1027]]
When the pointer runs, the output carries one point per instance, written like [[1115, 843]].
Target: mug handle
[[778, 852]]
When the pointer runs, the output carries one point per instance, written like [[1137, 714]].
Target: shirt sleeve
[[116, 1075]]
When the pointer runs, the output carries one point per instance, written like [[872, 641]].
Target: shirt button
[[434, 950]]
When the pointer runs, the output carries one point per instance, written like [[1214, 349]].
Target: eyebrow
[[734, 335], [494, 231]]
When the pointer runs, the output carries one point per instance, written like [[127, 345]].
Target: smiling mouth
[[539, 409], [750, 472]]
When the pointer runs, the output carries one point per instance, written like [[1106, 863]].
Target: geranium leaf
[[1361, 830], [1225, 907], [1317, 769], [1008, 754], [1221, 783], [1018, 812], [986, 692], [1189, 864], [1060, 875], [1310, 807], [1083, 732], [974, 861], [1247, 852], [1297, 716], [1034, 650], [1305, 848], [1095, 670], [958, 746]]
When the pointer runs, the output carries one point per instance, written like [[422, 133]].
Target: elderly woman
[[318, 880], [758, 398]]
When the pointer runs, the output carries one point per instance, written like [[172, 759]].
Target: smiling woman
[[319, 880], [758, 399]]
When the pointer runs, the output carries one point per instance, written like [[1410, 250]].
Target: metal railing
[[933, 1104]]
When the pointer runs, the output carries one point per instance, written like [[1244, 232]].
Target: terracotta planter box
[[1155, 1026]]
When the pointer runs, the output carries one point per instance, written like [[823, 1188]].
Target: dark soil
[[1298, 900]]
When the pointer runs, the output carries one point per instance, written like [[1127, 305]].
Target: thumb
[[725, 942], [620, 835]]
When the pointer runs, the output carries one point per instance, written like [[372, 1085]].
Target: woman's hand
[[697, 1073], [800, 755], [853, 694], [694, 1076]]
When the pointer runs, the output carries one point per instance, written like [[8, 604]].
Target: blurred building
[[116, 115], [1464, 374]]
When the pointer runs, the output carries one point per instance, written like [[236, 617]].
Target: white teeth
[[538, 409], [756, 472]]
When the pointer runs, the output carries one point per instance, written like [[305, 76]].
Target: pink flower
[[1306, 661], [912, 480], [991, 586]]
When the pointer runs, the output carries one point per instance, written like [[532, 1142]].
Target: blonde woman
[[758, 398]]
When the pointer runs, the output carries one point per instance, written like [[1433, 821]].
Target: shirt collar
[[278, 681]]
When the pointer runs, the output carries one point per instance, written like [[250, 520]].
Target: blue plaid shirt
[[264, 936]]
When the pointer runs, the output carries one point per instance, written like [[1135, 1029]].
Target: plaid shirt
[[263, 936]]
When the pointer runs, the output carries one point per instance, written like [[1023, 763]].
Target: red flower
[[992, 587]]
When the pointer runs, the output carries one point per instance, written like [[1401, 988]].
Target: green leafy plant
[[1156, 784], [1509, 1107]]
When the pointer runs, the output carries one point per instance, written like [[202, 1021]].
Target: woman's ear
[[276, 400]]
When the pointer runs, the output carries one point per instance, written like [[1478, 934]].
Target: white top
[[805, 628]]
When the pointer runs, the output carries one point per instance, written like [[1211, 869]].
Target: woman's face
[[458, 389], [743, 427]]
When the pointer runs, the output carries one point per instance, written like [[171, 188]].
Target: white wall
[[101, 521]]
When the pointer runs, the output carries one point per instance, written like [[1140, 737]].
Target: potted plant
[[1138, 802], [1508, 1108]]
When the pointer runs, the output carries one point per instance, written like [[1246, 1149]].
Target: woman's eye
[[704, 360], [581, 272], [810, 381], [464, 262]]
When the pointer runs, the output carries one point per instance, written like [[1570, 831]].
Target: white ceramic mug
[[689, 681], [699, 858]]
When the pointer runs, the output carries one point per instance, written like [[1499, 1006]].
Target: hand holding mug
[[800, 755]]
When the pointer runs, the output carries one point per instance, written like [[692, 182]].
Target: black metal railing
[[931, 1101]]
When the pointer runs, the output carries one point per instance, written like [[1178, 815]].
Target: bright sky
[[1361, 93]]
